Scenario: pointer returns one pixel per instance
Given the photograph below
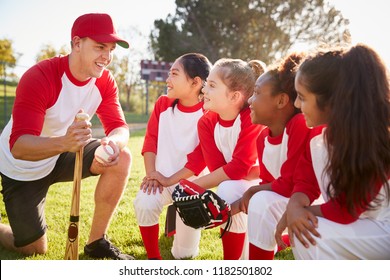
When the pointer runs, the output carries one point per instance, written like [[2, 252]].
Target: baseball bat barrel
[[72, 242]]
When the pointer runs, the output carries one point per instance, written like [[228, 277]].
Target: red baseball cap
[[98, 27]]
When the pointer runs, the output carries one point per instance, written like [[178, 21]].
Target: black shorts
[[25, 200]]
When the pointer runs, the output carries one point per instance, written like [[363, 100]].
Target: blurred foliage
[[49, 51], [246, 29], [8, 58]]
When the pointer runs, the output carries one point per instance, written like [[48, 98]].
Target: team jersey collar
[[275, 140], [225, 123], [190, 109]]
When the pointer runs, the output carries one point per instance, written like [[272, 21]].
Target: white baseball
[[103, 152]]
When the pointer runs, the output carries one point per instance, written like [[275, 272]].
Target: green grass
[[123, 230]]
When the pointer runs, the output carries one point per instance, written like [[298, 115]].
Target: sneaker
[[103, 248]]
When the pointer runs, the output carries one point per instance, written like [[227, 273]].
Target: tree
[[125, 66], [125, 77], [49, 51], [7, 55], [246, 29]]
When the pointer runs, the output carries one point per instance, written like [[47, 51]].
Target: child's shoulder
[[297, 122], [209, 118], [163, 103], [210, 115], [318, 130], [164, 99]]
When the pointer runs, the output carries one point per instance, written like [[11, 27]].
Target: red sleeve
[[336, 210], [195, 161], [245, 152], [151, 134], [304, 178], [298, 134], [110, 112], [37, 90]]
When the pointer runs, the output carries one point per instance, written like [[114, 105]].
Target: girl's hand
[[164, 181], [151, 186], [244, 201], [280, 227], [302, 225]]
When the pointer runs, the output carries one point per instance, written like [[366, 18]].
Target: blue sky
[[31, 24]]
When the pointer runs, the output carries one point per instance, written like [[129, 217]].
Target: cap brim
[[123, 44], [107, 38]]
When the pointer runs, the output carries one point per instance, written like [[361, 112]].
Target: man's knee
[[124, 165], [119, 171], [125, 156]]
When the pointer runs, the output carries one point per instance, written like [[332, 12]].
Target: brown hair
[[238, 75], [352, 84]]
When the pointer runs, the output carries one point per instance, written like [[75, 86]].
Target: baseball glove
[[200, 208]]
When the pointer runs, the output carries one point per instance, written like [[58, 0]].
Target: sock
[[256, 253], [150, 238], [286, 240], [232, 243]]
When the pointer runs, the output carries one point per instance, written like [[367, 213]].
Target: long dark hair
[[194, 65], [353, 85]]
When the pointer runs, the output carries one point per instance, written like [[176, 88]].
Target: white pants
[[148, 209], [231, 191], [264, 212], [362, 239]]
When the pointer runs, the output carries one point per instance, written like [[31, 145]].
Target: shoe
[[103, 248]]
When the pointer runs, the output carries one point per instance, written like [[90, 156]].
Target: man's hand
[[78, 134]]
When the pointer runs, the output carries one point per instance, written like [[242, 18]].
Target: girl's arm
[[241, 205], [301, 219], [183, 173], [149, 184], [212, 179]]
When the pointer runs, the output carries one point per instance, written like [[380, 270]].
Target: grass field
[[123, 230]]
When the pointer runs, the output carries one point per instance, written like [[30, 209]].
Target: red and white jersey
[[227, 144], [47, 100], [172, 134], [311, 178], [278, 156]]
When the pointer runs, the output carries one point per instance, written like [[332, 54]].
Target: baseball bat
[[72, 242]]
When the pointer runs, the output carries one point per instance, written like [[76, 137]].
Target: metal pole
[[5, 95]]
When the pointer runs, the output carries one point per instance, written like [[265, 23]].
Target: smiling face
[[216, 93], [263, 103], [93, 57], [307, 102], [178, 84]]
